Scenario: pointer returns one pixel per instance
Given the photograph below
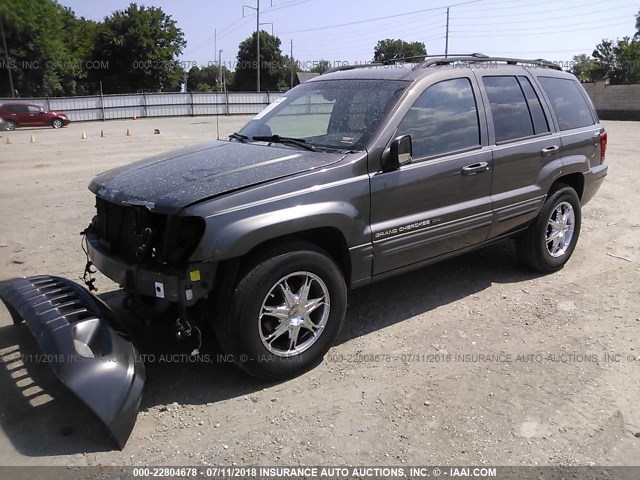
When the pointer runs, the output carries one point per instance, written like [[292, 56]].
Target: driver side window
[[444, 119]]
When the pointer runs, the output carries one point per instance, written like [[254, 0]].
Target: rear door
[[22, 115], [575, 118], [522, 141], [440, 202], [10, 112]]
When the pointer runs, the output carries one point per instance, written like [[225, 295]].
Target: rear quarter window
[[568, 102]]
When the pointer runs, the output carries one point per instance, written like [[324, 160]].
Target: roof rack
[[393, 61], [431, 60], [352, 67], [479, 57]]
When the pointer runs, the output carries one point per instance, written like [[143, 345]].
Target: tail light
[[603, 146]]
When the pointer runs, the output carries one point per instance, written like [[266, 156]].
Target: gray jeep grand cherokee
[[354, 176]]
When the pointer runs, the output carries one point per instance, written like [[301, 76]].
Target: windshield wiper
[[238, 136], [298, 142]]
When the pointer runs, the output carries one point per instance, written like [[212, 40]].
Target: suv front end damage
[[84, 346], [147, 253]]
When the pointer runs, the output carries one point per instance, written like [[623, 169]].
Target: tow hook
[[185, 330]]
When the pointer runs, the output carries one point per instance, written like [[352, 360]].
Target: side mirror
[[399, 153]]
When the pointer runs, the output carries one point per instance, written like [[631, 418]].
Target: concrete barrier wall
[[615, 102], [110, 107]]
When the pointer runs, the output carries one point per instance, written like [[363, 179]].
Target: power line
[[552, 32], [326, 27], [547, 28], [523, 14]]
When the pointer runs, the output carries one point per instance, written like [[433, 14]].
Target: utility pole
[[220, 67], [446, 42], [258, 45], [257, 9], [291, 60], [215, 43], [6, 57]]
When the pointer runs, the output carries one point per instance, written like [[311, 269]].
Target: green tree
[[390, 49], [79, 36], [321, 67], [40, 56], [583, 67], [618, 61], [138, 48], [628, 58], [207, 79], [272, 67]]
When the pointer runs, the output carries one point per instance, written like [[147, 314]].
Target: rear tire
[[285, 312], [11, 125], [549, 241]]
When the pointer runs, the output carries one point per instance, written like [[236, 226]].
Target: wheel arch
[[574, 180], [329, 239]]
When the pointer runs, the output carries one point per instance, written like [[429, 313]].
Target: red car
[[28, 115]]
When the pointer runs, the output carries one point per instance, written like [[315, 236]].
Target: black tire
[[57, 123], [11, 125], [239, 329], [532, 244]]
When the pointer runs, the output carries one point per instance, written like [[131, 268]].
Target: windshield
[[339, 114]]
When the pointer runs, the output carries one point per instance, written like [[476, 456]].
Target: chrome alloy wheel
[[294, 314], [560, 229]]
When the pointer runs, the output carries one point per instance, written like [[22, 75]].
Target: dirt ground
[[479, 360]]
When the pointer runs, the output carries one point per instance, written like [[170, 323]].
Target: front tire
[[56, 123], [285, 313], [549, 241]]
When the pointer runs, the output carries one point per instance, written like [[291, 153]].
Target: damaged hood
[[168, 182]]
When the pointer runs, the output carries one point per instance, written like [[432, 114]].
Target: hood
[[168, 182]]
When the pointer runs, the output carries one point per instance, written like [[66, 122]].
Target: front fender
[[227, 238]]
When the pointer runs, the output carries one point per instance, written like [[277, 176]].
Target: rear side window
[[443, 119], [511, 118], [540, 124], [568, 102]]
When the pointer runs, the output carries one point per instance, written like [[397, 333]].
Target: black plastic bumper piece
[[83, 345]]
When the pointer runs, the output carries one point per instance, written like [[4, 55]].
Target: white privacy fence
[[111, 107]]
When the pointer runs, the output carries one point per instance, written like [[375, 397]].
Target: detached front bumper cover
[[83, 345]]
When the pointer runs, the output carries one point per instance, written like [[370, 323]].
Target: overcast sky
[[347, 31]]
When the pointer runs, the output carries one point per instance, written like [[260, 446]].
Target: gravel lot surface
[[479, 360]]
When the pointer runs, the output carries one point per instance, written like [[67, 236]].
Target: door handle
[[475, 168], [550, 150]]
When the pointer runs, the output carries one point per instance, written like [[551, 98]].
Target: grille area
[[137, 235], [128, 231]]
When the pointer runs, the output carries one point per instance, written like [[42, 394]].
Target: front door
[[441, 201], [34, 116]]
